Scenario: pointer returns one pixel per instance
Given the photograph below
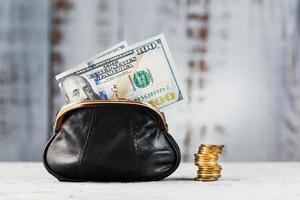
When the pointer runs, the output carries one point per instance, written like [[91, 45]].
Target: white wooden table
[[29, 181]]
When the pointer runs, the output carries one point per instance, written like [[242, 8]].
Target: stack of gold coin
[[207, 160]]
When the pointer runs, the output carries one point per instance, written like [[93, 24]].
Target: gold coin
[[208, 154], [203, 147], [211, 156], [205, 153], [206, 179], [209, 151], [201, 176], [216, 164], [206, 158], [205, 166], [208, 168], [212, 145], [207, 162], [210, 173]]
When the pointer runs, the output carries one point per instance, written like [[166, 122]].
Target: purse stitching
[[134, 144], [81, 155]]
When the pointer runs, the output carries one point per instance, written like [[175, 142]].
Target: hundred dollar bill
[[115, 48], [144, 71]]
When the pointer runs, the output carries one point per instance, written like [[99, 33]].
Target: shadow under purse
[[111, 140]]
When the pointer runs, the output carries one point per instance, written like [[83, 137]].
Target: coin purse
[[111, 140]]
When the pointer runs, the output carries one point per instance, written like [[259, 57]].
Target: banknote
[[144, 71], [115, 48]]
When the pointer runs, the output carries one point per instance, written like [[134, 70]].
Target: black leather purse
[[111, 140]]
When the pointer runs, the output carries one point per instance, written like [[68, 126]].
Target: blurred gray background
[[238, 59]]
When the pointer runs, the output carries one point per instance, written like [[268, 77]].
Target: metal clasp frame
[[115, 96]]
